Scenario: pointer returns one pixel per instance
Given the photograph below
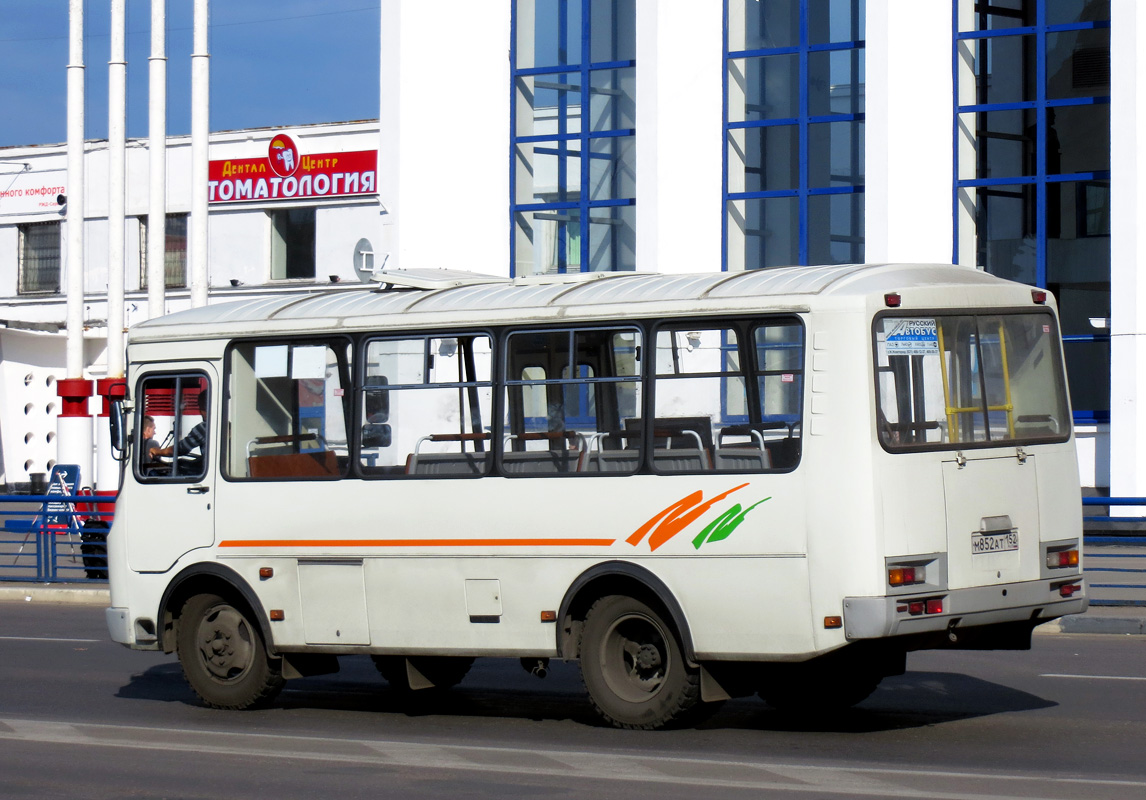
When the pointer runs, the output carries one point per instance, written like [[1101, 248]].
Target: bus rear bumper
[[960, 609]]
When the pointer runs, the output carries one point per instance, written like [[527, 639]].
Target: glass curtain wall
[[573, 119], [794, 132], [1032, 165]]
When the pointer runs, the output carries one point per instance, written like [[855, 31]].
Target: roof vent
[[431, 279]]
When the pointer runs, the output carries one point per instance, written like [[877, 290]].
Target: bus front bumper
[[121, 629], [959, 609]]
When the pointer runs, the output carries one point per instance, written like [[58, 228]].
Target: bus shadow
[[913, 700]]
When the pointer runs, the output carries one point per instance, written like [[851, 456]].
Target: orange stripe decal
[[676, 518], [417, 543]]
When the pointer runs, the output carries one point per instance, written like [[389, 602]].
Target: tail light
[[1056, 559], [916, 608], [904, 576]]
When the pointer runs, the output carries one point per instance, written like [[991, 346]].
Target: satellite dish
[[364, 259]]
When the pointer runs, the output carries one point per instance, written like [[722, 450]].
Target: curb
[[1081, 623], [49, 593]]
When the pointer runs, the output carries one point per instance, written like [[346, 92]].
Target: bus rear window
[[962, 380]]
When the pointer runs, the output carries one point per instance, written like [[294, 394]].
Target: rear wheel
[[442, 671], [633, 666], [223, 655]]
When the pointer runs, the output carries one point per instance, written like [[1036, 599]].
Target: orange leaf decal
[[676, 518]]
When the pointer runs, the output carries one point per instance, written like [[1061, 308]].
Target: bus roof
[[417, 298]]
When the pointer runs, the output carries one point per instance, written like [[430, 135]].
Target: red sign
[[283, 155], [285, 174]]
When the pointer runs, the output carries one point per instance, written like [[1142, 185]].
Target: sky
[[273, 64]]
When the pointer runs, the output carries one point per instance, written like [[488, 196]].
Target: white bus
[[699, 486]]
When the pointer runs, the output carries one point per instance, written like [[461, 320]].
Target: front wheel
[[223, 655], [633, 666]]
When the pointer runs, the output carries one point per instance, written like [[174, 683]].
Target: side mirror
[[377, 398], [118, 432], [376, 434]]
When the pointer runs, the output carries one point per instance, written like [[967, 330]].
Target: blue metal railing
[[52, 538], [1100, 546]]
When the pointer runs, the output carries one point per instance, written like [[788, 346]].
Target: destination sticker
[[912, 337]]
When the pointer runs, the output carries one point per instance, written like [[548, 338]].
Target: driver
[[150, 445]]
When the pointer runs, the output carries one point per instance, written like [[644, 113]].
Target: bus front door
[[173, 466]]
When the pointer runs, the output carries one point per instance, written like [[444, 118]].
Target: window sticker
[[271, 361], [308, 363], [912, 337]]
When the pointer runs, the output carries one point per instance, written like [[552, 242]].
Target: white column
[[107, 469], [117, 144], [447, 188], [1127, 250], [388, 177], [908, 162], [157, 146], [679, 49], [74, 423], [75, 209], [200, 133]]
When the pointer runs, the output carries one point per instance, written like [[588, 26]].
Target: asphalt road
[[81, 717]]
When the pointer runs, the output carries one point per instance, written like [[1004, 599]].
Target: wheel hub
[[225, 643], [647, 657]]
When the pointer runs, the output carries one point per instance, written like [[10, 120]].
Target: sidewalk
[[1125, 620], [87, 594]]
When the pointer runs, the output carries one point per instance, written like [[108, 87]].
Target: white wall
[[443, 177], [1127, 250], [908, 161], [679, 136], [30, 364], [337, 232]]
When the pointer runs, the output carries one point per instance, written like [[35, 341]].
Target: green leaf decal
[[723, 526]]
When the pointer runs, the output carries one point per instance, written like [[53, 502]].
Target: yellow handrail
[[952, 420], [954, 411], [1008, 406]]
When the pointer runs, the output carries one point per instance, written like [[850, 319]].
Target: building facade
[[673, 137]]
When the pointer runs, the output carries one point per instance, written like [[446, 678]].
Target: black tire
[[93, 548], [817, 689], [444, 672], [633, 667], [223, 655]]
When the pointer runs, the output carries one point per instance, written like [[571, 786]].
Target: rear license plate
[[994, 542]]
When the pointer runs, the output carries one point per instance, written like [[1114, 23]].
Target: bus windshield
[[968, 379]]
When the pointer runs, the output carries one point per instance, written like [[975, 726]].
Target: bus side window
[[286, 413], [698, 375], [573, 402], [780, 385], [424, 405], [172, 427]]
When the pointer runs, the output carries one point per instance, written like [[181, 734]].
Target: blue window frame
[[793, 132], [1032, 164], [573, 137]]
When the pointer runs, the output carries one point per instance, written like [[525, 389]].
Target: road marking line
[[1095, 677], [835, 780], [44, 639]]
